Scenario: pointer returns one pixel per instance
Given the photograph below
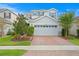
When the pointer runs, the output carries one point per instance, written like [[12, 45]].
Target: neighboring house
[[8, 17], [46, 23], [2, 23], [75, 26]]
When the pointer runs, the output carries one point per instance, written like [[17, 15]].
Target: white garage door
[[48, 30]]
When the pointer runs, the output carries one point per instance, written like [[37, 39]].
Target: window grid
[[45, 25], [7, 15]]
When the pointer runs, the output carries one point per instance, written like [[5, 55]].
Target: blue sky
[[26, 7]]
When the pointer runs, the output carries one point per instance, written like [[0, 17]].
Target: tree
[[22, 29], [20, 26], [66, 20]]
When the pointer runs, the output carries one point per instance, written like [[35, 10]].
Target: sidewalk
[[52, 53], [42, 47]]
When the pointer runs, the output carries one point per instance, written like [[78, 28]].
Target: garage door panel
[[46, 31]]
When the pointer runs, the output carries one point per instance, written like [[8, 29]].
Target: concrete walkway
[[43, 47], [46, 50]]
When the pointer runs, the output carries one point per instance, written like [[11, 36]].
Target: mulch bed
[[22, 38]]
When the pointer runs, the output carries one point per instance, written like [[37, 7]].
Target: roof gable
[[42, 17], [45, 20], [4, 9]]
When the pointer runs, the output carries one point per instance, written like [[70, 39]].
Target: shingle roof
[[1, 10], [4, 9]]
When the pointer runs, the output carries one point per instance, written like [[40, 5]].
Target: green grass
[[12, 52], [74, 40], [7, 41]]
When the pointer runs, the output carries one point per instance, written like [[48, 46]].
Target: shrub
[[77, 32], [30, 31], [21, 38], [10, 32]]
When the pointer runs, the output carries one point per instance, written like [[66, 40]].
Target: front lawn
[[7, 41], [12, 52], [74, 40]]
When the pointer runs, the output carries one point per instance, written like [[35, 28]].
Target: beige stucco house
[[7, 17], [46, 23], [75, 26]]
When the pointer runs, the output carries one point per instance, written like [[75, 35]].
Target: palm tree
[[66, 20]]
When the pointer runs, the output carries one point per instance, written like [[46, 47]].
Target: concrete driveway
[[49, 40]]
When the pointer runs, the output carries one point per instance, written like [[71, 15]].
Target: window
[[55, 25], [7, 15], [41, 13], [4, 15], [52, 15], [34, 13], [46, 26]]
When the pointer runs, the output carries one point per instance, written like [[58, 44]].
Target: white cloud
[[10, 8]]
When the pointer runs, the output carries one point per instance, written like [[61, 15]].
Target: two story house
[[45, 22], [7, 17]]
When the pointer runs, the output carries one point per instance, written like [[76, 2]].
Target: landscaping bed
[[11, 52], [7, 41]]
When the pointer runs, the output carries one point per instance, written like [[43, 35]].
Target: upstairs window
[[52, 15], [7, 15], [34, 13], [38, 13], [41, 13]]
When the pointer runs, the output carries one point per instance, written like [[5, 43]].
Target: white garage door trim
[[46, 30]]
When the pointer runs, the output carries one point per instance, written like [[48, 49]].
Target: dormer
[[38, 12], [53, 12]]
